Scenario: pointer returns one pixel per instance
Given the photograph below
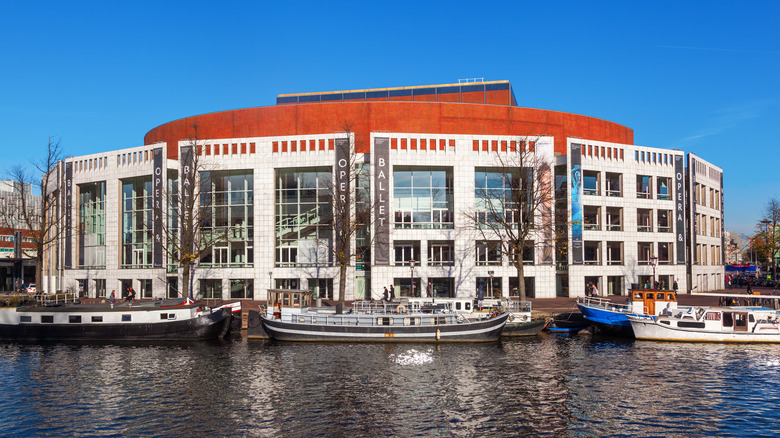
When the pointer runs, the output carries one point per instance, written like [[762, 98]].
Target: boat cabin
[[289, 298], [652, 302]]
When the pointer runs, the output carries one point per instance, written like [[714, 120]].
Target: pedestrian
[[480, 296], [594, 291], [429, 289], [750, 287], [131, 294], [392, 292], [674, 287], [112, 297], [657, 284], [384, 295], [588, 289]]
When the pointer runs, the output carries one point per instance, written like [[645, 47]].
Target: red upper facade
[[443, 109]]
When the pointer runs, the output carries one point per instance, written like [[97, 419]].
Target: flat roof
[[395, 88]]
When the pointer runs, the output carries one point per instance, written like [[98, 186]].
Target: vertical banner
[[723, 260], [341, 203], [576, 203], [186, 193], [679, 207], [694, 199], [68, 215], [157, 211], [381, 153]]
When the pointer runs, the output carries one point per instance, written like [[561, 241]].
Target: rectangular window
[[126, 318], [503, 196], [644, 252], [227, 212], [211, 288], [644, 186], [614, 219], [663, 186], [592, 253], [405, 252], [590, 182], [137, 222], [591, 218], [664, 253], [92, 225], [423, 197], [614, 253], [643, 220], [47, 319], [488, 253], [613, 181], [97, 318], [664, 221], [242, 288], [441, 254], [74, 319]]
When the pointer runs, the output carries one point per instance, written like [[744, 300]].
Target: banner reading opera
[[341, 207], [157, 210]]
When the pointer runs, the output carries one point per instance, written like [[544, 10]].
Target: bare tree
[[351, 220], [512, 214], [190, 227], [768, 229], [22, 210]]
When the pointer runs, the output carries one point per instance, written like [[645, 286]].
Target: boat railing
[[369, 319], [372, 307], [516, 306], [605, 303]]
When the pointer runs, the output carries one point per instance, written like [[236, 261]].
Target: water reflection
[[548, 385]]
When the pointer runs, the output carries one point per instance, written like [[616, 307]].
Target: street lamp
[[411, 279], [653, 262], [490, 273]]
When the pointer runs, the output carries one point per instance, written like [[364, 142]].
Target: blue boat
[[610, 316]]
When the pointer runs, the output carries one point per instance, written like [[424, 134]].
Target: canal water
[[550, 385]]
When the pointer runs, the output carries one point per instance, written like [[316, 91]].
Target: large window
[[592, 252], [614, 253], [226, 202], [644, 220], [137, 222], [422, 197], [210, 288], [92, 225], [499, 195], [304, 227]]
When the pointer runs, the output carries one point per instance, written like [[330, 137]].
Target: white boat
[[710, 324], [520, 322]]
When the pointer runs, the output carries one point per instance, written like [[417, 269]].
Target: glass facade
[[496, 194], [137, 222], [303, 217], [92, 225], [422, 197], [227, 218]]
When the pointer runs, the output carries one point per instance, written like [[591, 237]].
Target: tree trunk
[[520, 277], [342, 286], [185, 279]]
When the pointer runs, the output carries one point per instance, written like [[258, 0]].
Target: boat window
[[286, 300], [664, 322], [126, 318], [47, 319], [728, 319], [670, 297], [458, 305], [412, 321], [384, 321], [637, 295], [690, 324], [740, 321], [751, 318], [25, 318], [468, 306], [713, 316], [97, 318], [74, 319]]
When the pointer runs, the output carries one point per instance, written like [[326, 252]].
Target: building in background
[[622, 215], [17, 250]]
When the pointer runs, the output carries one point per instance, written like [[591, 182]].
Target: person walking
[[594, 291], [429, 289], [674, 287], [384, 294], [392, 292]]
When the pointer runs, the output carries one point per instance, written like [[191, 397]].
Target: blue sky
[[698, 76]]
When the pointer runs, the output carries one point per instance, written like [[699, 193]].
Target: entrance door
[[173, 287], [125, 288]]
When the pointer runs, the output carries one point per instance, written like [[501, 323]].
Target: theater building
[[619, 214]]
